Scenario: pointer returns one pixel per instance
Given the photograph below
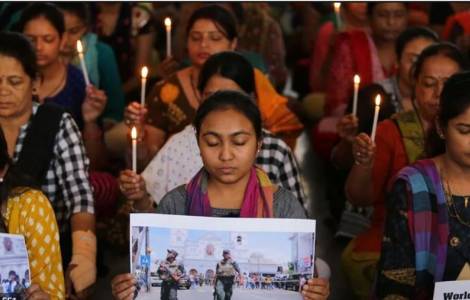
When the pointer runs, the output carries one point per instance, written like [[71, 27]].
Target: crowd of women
[[218, 129]]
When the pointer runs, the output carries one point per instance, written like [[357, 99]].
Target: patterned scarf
[[427, 220], [412, 134], [257, 202]]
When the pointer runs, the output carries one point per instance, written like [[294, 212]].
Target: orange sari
[[277, 117]]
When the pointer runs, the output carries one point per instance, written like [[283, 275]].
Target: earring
[[441, 134]]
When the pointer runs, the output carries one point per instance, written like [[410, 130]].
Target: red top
[[390, 158], [322, 49]]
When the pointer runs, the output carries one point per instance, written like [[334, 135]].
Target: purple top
[[72, 95]]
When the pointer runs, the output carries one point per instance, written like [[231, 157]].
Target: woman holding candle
[[430, 198], [61, 83], [229, 132], [396, 97], [399, 142], [172, 103], [99, 58], [398, 88]]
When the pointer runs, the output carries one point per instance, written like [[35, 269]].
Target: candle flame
[[378, 99], [357, 79], [134, 133], [167, 22], [144, 72], [79, 46], [337, 6]]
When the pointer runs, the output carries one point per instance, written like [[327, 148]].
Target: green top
[[110, 82]]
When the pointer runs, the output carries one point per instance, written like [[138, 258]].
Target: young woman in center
[[228, 129]]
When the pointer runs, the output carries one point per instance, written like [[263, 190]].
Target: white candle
[[376, 116], [134, 149], [143, 74], [168, 36], [82, 62], [357, 81], [337, 6]]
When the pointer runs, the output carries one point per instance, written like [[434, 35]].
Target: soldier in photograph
[[170, 273], [226, 271]]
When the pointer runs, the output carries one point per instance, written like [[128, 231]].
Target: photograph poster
[[14, 267], [220, 258]]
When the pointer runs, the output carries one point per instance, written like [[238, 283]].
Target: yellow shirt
[[30, 214]]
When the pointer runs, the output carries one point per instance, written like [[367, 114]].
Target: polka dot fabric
[[30, 214]]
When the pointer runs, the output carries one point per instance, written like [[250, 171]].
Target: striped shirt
[[66, 184]]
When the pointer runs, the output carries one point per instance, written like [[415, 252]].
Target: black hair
[[17, 46], [42, 9], [411, 34], [231, 65], [223, 100], [454, 100], [238, 11], [79, 9], [223, 19], [371, 5], [440, 49]]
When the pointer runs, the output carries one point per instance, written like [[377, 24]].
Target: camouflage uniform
[[166, 271], [226, 271]]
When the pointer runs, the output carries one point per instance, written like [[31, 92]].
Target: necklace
[[451, 205], [193, 87], [57, 87]]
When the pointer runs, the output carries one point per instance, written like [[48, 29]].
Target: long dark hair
[[17, 46], [222, 18], [445, 49], [230, 65], [454, 100], [412, 33], [78, 9], [48, 11], [440, 49]]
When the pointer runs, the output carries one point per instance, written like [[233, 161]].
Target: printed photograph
[[14, 267], [187, 262]]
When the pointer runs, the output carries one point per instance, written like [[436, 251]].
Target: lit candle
[[376, 116], [82, 62], [168, 36], [337, 6], [357, 81], [134, 149], [143, 74]]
